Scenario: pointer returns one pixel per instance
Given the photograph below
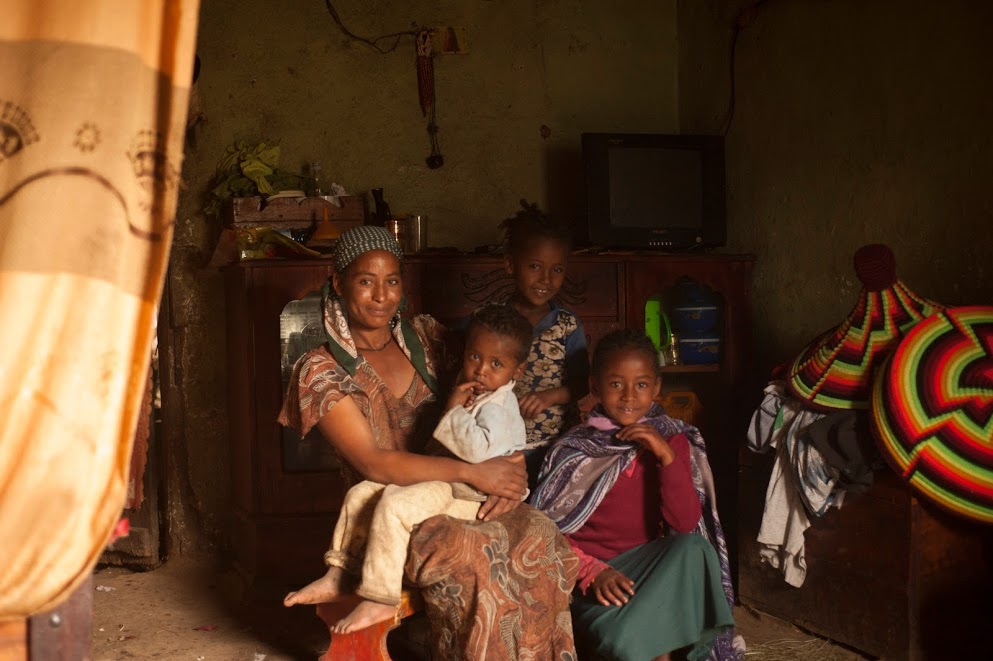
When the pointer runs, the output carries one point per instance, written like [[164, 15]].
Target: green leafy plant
[[248, 170]]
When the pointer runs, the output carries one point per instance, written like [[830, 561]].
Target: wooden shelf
[[672, 369]]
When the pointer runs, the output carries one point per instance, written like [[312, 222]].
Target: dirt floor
[[188, 611]]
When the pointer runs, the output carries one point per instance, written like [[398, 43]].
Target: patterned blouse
[[320, 383], [558, 357]]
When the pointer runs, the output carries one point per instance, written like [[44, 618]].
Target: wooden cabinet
[[285, 502]]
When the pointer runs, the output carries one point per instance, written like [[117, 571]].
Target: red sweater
[[631, 513]]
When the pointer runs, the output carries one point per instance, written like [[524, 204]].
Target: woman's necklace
[[386, 344]]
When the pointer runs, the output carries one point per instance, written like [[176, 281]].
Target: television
[[653, 191]]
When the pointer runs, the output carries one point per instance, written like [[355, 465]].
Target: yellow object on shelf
[[682, 405]]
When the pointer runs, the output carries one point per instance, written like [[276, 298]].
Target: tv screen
[[654, 191], [637, 199]]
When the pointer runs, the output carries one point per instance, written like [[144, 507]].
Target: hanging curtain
[[93, 99]]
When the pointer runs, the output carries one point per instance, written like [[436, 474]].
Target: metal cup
[[415, 234], [396, 227]]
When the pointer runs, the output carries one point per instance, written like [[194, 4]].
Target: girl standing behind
[[612, 485], [557, 372]]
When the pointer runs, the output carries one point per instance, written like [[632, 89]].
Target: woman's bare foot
[[326, 588], [663, 657], [366, 614]]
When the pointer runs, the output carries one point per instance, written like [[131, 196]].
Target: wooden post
[[63, 633]]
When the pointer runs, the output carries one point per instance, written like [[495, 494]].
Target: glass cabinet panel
[[300, 330]]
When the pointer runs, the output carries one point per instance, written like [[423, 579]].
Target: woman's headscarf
[[360, 240], [350, 246]]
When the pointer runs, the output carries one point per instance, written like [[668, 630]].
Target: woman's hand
[[502, 476], [647, 437], [496, 506], [534, 403], [611, 587]]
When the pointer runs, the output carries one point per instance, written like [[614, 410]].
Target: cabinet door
[[294, 475], [301, 328], [594, 290]]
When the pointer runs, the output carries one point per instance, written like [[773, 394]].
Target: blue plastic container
[[700, 350], [694, 318]]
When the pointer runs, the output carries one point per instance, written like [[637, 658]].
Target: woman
[[365, 389]]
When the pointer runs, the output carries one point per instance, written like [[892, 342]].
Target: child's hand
[[647, 437], [463, 394], [534, 403], [612, 587]]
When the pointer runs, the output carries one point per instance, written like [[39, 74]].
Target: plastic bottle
[[383, 212], [316, 179]]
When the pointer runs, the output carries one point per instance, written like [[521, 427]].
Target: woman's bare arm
[[348, 430]]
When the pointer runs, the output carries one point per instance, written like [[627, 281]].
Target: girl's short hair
[[528, 224], [507, 322], [626, 339]]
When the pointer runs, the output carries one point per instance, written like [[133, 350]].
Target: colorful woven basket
[[835, 370], [932, 410]]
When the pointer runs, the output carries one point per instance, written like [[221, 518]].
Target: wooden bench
[[367, 644]]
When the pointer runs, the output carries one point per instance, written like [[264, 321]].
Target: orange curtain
[[93, 98]]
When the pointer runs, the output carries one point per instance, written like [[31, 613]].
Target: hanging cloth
[[93, 101]]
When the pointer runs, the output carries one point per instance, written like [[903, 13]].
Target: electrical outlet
[[450, 40]]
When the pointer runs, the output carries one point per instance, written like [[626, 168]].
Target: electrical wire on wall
[[396, 36], [743, 19], [425, 73]]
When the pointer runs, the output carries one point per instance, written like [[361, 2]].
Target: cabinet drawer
[[450, 291]]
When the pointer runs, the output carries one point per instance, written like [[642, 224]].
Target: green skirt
[[678, 602]]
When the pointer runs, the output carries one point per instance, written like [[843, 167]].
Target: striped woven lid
[[835, 370], [932, 410]]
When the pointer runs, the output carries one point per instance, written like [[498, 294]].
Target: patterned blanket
[[496, 590]]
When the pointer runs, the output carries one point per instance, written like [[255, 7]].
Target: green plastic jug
[[657, 323]]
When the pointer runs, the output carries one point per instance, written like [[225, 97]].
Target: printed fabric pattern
[[496, 590], [546, 369]]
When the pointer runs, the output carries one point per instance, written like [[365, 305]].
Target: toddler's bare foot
[[366, 614], [326, 588]]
